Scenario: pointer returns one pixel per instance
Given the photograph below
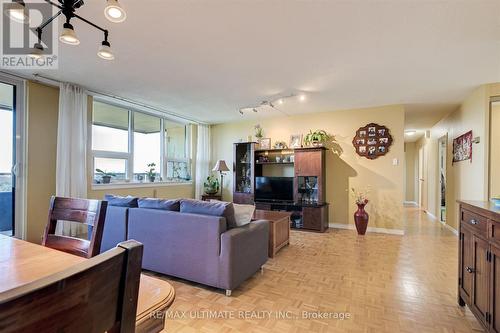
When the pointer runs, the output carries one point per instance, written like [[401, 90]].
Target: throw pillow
[[164, 204], [223, 209], [116, 200], [242, 213]]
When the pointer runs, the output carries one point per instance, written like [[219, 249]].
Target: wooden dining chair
[[95, 296], [89, 212]]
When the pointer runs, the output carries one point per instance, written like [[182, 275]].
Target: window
[[132, 146]]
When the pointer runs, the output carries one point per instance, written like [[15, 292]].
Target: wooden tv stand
[[307, 166], [309, 217]]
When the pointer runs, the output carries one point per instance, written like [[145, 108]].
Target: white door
[[421, 178]]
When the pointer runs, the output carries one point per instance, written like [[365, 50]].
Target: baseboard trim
[[432, 215], [398, 232], [410, 203], [450, 228], [447, 226]]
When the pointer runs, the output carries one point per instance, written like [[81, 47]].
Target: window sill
[[112, 186]]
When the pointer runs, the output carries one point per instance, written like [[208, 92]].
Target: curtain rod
[[41, 78]]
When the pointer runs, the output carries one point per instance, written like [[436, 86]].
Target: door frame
[[443, 140], [421, 176], [20, 168]]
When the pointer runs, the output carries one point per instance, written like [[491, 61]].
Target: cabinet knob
[[470, 270], [474, 222]]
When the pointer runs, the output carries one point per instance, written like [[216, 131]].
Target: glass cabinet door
[[243, 168]]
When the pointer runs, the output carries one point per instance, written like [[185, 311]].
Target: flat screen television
[[277, 189]]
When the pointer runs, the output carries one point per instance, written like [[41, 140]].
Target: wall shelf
[[264, 163]]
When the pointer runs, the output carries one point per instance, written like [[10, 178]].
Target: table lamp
[[221, 167]]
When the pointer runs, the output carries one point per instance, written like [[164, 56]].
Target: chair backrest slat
[[84, 211], [94, 296]]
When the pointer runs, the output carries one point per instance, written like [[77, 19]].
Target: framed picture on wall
[[372, 141], [265, 143], [296, 141], [462, 147]]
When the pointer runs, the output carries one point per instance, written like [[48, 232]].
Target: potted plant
[[105, 176], [361, 217], [151, 172], [317, 138], [211, 185], [259, 132]]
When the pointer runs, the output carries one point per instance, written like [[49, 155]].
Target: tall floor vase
[[361, 218]]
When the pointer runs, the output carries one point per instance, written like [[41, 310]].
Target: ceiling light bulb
[[302, 98], [17, 11], [410, 133], [105, 51], [114, 12], [68, 35], [280, 101], [37, 51]]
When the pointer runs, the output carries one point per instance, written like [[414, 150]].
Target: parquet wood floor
[[386, 283]]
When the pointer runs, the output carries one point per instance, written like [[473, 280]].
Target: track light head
[[37, 51], [114, 12], [17, 11], [68, 35], [105, 51]]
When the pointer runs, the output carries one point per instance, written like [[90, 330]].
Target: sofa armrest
[[243, 251]]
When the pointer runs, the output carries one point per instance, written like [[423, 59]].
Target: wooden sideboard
[[479, 261]]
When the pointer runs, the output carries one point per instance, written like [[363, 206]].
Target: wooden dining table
[[22, 262]]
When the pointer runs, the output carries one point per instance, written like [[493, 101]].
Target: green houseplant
[[211, 185], [259, 132], [151, 172], [317, 138], [105, 176]]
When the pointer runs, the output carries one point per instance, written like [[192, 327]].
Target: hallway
[[386, 283]]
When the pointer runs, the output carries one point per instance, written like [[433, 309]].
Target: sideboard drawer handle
[[468, 269], [474, 222]]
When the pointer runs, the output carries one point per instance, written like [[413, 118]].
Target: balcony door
[[11, 152], [7, 159]]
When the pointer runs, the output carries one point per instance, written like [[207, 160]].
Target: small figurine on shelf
[[280, 145]]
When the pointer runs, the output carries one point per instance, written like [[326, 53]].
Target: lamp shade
[[220, 166]]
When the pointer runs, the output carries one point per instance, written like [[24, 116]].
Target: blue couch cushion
[[115, 200], [220, 208], [152, 203]]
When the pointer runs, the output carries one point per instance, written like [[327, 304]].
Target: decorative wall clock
[[372, 141]]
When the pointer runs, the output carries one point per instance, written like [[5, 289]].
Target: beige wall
[[411, 172], [42, 109], [343, 172], [467, 180]]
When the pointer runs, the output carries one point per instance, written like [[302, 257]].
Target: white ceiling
[[208, 58]]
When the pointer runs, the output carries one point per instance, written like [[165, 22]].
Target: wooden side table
[[279, 228], [208, 197]]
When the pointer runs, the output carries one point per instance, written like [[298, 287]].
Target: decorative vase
[[361, 219], [106, 179], [152, 179]]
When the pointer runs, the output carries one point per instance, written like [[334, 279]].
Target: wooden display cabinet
[[244, 172], [479, 262]]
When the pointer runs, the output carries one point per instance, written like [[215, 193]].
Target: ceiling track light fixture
[[113, 12], [279, 101]]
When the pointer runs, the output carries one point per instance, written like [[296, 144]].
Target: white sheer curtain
[[202, 170], [71, 164]]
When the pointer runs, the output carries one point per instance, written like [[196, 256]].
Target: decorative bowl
[[496, 201]]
